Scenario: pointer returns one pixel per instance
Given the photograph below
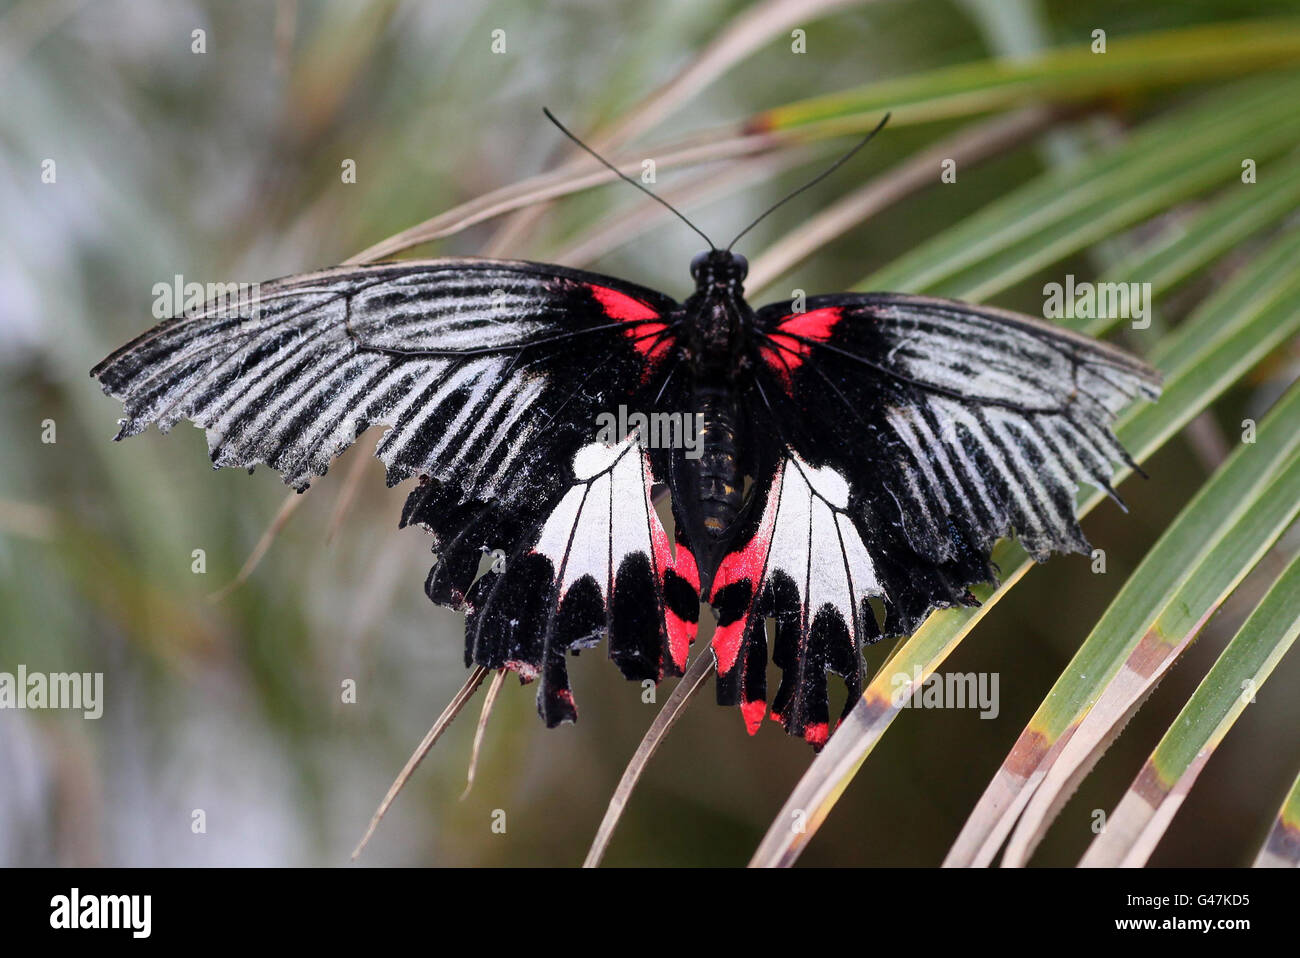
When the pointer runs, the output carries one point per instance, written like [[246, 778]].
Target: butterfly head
[[719, 269]]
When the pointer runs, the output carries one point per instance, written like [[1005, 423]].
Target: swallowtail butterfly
[[855, 446]]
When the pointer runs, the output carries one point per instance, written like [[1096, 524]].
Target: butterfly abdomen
[[720, 482]]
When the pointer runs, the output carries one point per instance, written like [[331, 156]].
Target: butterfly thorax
[[716, 315]]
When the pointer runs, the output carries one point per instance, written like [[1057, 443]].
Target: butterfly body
[[714, 340]]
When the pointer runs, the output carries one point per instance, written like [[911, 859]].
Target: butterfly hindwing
[[803, 563], [594, 568]]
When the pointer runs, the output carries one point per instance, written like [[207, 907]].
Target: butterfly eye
[[741, 265], [697, 263]]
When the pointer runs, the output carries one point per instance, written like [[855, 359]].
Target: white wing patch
[[1016, 472], [805, 539], [604, 518], [419, 312], [815, 543], [1010, 419], [595, 570], [812, 540]]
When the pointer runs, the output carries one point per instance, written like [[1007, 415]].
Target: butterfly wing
[[489, 377], [907, 434]]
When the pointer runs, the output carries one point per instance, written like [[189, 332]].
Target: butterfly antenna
[[815, 180], [640, 186]]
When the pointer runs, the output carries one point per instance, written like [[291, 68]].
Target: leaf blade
[[1146, 809]]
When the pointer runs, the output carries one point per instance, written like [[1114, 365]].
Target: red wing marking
[[621, 306], [645, 325], [790, 339], [680, 636], [748, 563], [815, 733], [753, 714], [684, 566], [681, 632]]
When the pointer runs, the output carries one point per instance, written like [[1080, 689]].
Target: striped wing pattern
[[923, 429], [488, 376], [457, 358]]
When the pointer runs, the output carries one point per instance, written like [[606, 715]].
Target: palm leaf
[[1210, 569], [1133, 829], [1144, 61], [1282, 847], [1169, 160]]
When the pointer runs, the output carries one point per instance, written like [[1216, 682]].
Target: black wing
[[906, 435], [489, 376]]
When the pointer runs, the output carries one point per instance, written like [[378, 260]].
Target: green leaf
[[1240, 212], [1145, 811], [1185, 55], [1282, 847], [1270, 278], [1173, 159], [1118, 666]]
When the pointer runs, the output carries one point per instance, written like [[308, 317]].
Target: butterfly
[[818, 454]]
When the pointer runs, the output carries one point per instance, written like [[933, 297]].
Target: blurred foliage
[[225, 165]]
